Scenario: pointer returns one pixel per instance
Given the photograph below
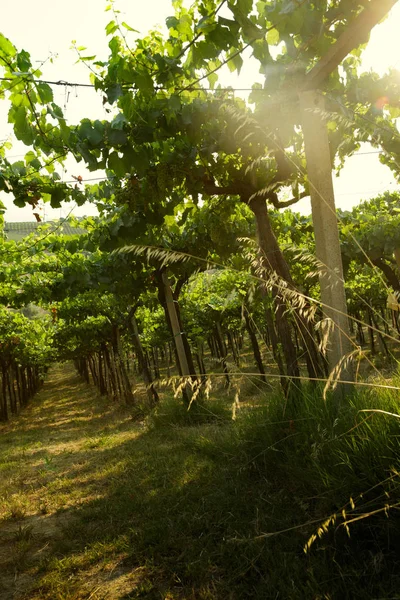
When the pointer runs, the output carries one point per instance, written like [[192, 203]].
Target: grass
[[193, 505]]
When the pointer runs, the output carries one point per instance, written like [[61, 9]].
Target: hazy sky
[[48, 27]]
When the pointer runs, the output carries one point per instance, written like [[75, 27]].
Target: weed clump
[[174, 413]]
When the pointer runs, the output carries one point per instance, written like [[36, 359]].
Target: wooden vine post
[[176, 332]]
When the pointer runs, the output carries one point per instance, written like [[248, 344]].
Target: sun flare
[[383, 50]]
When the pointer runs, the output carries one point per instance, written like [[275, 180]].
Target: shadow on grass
[[178, 512], [64, 406]]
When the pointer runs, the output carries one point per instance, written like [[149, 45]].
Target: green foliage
[[371, 229], [211, 297], [84, 324], [24, 341], [155, 332], [166, 122]]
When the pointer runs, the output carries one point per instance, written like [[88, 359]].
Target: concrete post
[[397, 257], [319, 170]]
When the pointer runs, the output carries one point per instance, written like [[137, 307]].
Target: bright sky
[[49, 26]]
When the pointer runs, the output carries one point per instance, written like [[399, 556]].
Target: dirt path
[[50, 457]]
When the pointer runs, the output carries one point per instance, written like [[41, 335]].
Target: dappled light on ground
[[53, 459], [96, 505]]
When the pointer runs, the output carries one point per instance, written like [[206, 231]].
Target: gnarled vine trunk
[[274, 262]]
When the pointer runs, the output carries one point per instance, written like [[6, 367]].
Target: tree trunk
[[4, 407], [111, 381], [200, 362], [85, 370], [274, 261], [154, 355], [255, 346], [166, 360], [385, 320], [143, 368], [128, 394], [24, 386], [188, 350], [381, 339], [371, 332], [233, 347], [360, 338], [388, 272], [19, 387], [101, 375], [222, 351], [11, 391]]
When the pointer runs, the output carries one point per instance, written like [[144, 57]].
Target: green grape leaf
[[119, 121], [128, 27], [23, 61], [94, 135], [56, 197], [116, 137], [22, 129], [116, 164], [45, 92], [113, 93], [6, 46], [273, 37], [111, 28]]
